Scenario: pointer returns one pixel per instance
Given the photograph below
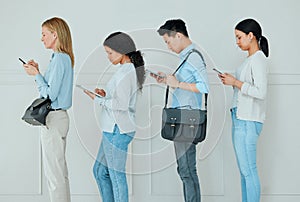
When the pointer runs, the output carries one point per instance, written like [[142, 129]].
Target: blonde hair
[[64, 42]]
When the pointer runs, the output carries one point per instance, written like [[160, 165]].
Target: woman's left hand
[[227, 79], [31, 70]]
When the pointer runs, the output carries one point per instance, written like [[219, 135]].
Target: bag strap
[[189, 53]]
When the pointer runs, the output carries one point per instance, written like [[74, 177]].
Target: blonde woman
[[56, 84]]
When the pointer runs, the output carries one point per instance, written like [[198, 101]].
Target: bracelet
[[178, 84]]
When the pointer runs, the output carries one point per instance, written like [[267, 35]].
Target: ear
[[179, 35], [54, 35], [251, 35]]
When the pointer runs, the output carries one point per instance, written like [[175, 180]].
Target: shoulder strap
[[189, 53]]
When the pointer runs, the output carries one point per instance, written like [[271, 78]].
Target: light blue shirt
[[57, 83], [192, 71], [119, 104]]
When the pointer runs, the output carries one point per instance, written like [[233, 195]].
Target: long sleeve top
[[57, 82], [251, 99], [119, 104], [192, 71]]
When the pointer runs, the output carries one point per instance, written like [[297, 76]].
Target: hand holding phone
[[155, 74], [98, 94]]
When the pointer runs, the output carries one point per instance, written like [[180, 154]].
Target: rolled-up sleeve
[[202, 81], [198, 69]]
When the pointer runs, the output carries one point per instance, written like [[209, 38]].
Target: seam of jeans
[[251, 173], [190, 173]]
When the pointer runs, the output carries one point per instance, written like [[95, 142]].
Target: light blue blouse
[[57, 83]]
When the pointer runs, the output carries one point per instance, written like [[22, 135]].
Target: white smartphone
[[155, 73], [84, 88], [218, 71]]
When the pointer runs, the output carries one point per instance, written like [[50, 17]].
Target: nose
[[237, 42]]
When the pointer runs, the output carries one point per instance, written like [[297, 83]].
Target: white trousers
[[53, 140]]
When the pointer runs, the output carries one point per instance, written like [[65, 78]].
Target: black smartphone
[[218, 71], [154, 73], [22, 61]]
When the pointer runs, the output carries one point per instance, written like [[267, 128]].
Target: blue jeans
[[244, 138], [186, 168], [109, 168]]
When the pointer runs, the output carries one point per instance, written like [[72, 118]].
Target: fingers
[[100, 92], [153, 75], [97, 90], [33, 63], [161, 74], [221, 76], [160, 77], [89, 94]]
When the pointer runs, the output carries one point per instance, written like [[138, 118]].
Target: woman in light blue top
[[57, 84], [118, 116], [249, 104]]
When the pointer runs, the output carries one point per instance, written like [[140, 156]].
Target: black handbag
[[184, 125], [37, 112]]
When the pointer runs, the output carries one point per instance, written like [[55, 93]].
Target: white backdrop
[[151, 164]]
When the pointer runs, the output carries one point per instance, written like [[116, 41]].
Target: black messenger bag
[[184, 125]]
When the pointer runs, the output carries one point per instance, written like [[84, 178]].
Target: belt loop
[[56, 109]]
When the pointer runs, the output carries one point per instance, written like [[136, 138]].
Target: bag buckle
[[192, 120], [174, 120]]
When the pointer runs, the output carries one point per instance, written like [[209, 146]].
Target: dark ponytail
[[137, 59], [264, 46], [250, 25], [123, 43]]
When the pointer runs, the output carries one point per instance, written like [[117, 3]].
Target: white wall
[[151, 167]]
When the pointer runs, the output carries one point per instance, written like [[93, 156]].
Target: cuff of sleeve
[[39, 79], [99, 100], [202, 87], [245, 88]]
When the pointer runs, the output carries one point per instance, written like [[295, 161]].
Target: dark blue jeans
[[186, 168]]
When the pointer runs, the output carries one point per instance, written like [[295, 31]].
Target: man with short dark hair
[[190, 82]]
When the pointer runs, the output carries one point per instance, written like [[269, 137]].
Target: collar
[[185, 51]]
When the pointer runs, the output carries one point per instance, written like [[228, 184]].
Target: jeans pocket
[[126, 138], [258, 127]]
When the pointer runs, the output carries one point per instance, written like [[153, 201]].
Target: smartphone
[[22, 61], [156, 74], [218, 71]]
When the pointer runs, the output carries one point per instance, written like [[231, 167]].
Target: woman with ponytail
[[118, 116], [249, 104]]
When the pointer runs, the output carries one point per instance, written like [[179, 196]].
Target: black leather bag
[[37, 112], [184, 125]]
